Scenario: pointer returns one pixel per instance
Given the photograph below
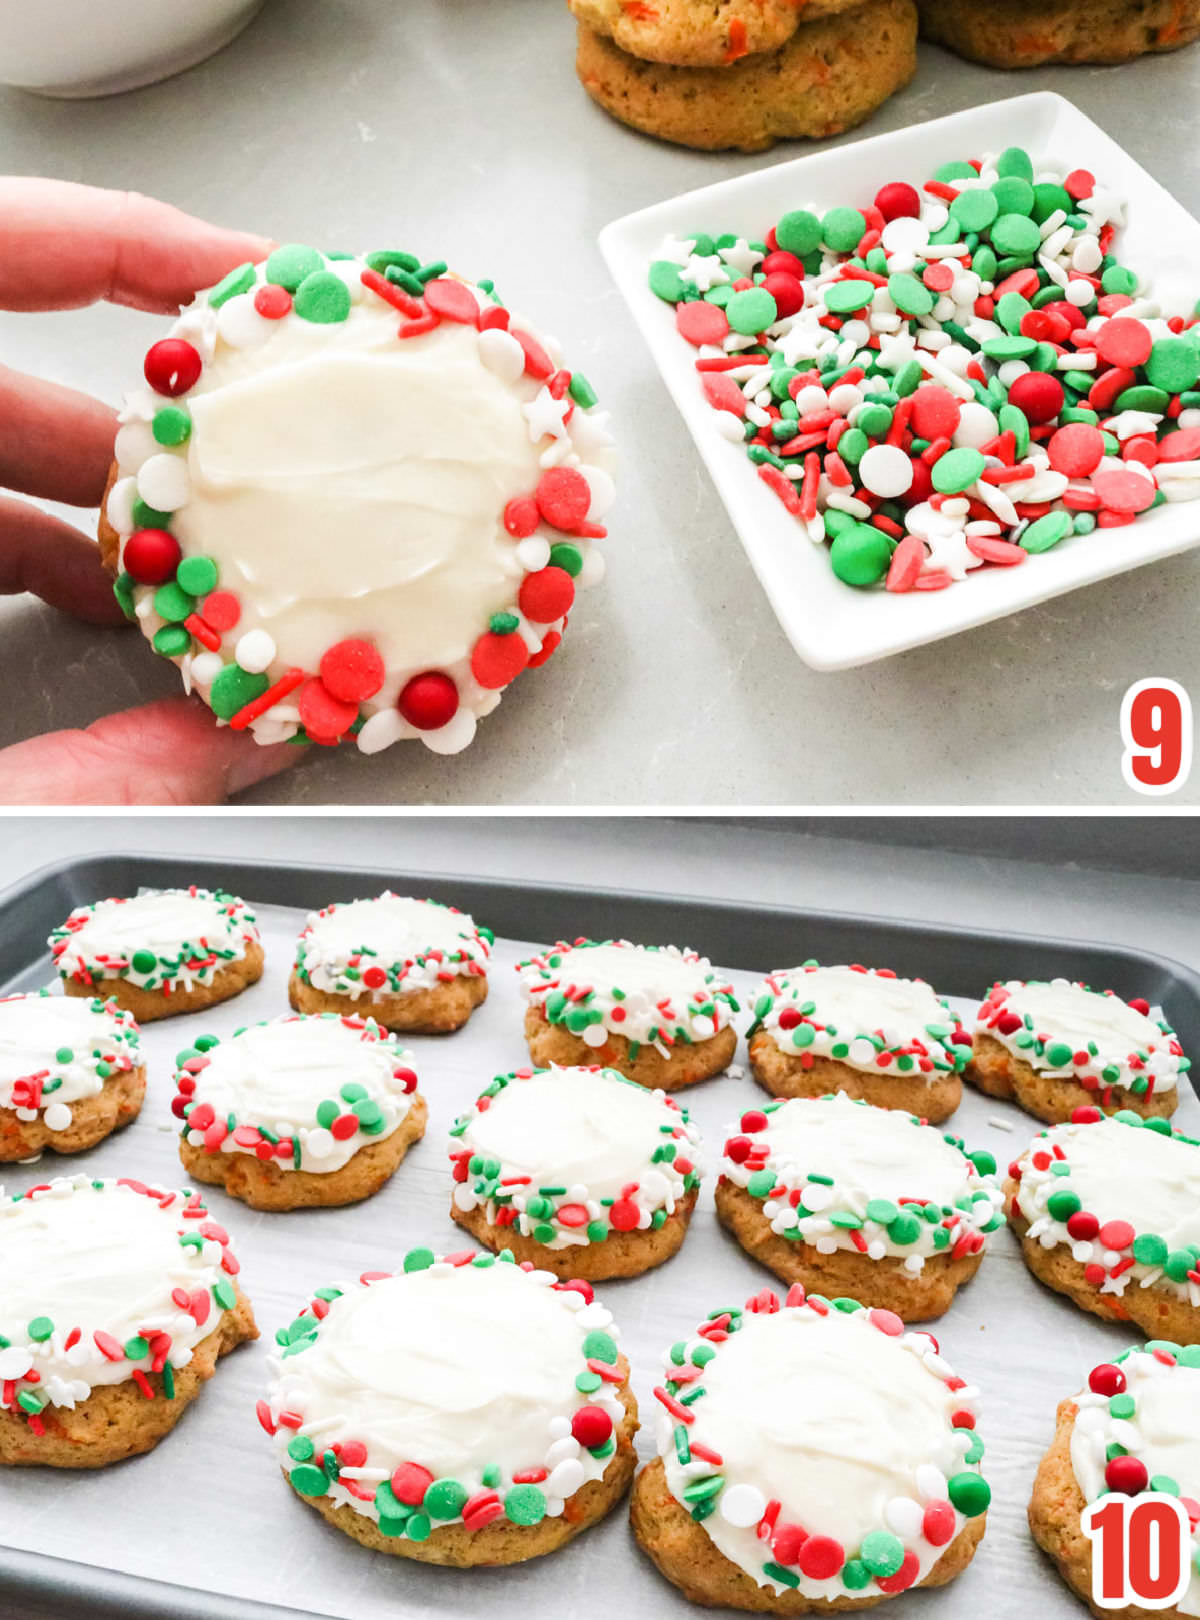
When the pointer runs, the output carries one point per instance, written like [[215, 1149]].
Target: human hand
[[63, 246]]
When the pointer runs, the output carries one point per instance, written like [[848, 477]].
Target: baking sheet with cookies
[[208, 1509]]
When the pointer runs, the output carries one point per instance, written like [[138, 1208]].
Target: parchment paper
[[208, 1508]]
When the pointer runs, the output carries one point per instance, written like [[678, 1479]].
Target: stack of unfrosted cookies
[[744, 73], [1026, 33]]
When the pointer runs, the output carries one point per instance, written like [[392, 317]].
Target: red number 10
[[1141, 1550]]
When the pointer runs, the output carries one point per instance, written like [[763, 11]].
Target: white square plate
[[832, 625]]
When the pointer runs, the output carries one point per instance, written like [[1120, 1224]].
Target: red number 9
[[1156, 730]]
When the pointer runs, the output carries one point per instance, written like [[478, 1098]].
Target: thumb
[[169, 752]]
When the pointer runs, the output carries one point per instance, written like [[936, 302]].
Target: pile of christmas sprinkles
[[946, 379], [211, 626]]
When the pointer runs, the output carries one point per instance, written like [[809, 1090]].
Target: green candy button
[[957, 470], [800, 233], [751, 311], [289, 265], [974, 210], [1041, 534], [233, 689], [860, 555], [1016, 236], [842, 228], [969, 1493], [909, 294], [322, 298], [1173, 366], [844, 297], [197, 575]]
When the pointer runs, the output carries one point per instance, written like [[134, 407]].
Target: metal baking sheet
[[204, 1526]]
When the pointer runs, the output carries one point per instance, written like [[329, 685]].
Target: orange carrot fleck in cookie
[[737, 41], [639, 11]]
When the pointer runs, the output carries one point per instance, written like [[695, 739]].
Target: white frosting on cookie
[[874, 1167], [658, 995], [94, 1268], [190, 933], [864, 1018], [296, 1077], [348, 473], [845, 1426], [1071, 1032], [413, 944], [1162, 1432], [456, 1370], [1122, 1172], [57, 1050], [567, 1151]]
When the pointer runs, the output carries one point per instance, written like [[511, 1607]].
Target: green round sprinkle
[[1149, 1249], [40, 1329], [974, 210], [445, 1499], [882, 1210], [1165, 1484], [842, 229], [172, 641], [1173, 366], [525, 1504], [1117, 279], [1178, 1263], [904, 1229], [233, 689], [957, 470], [301, 1448], [800, 233], [882, 1552], [874, 420], [1048, 199], [1041, 534], [418, 1526], [369, 1115], [1122, 1406], [844, 297], [1062, 1205], [1013, 347], [752, 311], [197, 575], [288, 265], [144, 962], [909, 294], [327, 1112], [172, 425], [852, 447], [1016, 236], [322, 298], [567, 557], [1015, 160], [237, 281], [955, 169], [598, 1346], [861, 555], [309, 1480], [225, 1295], [983, 1161], [1013, 196], [172, 602], [969, 1493], [418, 1259], [855, 1575], [64, 1055], [666, 282], [136, 1348]]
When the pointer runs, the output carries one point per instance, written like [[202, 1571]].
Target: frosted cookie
[[1055, 1047], [1108, 1213], [859, 1030], [831, 74], [298, 1111], [468, 1410], [1135, 1427], [810, 1457], [116, 1300], [162, 953], [659, 1015], [411, 964], [701, 33], [71, 1072], [854, 1200], [355, 498], [580, 1170], [1026, 33]]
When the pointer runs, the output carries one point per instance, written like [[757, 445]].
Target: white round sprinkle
[[319, 1143], [566, 1478], [14, 1363], [163, 482], [593, 569], [57, 1117], [118, 507], [453, 737], [604, 491], [240, 325], [382, 730], [931, 1482], [976, 425], [1087, 256], [742, 1505], [255, 651], [134, 445], [595, 1035], [501, 353], [1080, 293], [903, 1516], [886, 470], [206, 666], [534, 552]]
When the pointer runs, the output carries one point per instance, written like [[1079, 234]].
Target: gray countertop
[[459, 127]]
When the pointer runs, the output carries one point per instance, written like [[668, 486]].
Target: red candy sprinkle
[[754, 1120], [1039, 395], [151, 556], [887, 1322], [821, 1557], [537, 361], [1082, 1226], [898, 200], [1116, 1234], [700, 322], [1076, 450], [1123, 491], [935, 412], [1126, 1474], [1181, 446], [1124, 342], [786, 1544], [786, 290], [352, 670], [563, 498], [410, 1482], [624, 1215], [428, 701], [325, 717], [172, 366], [546, 595], [937, 1526], [498, 659], [222, 610], [591, 1427], [452, 301], [904, 1576], [272, 302], [1106, 1379], [521, 516]]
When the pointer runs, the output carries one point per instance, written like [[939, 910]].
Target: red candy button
[[1124, 342], [410, 1482], [151, 556], [624, 1215], [887, 1322], [786, 1544], [937, 1526], [591, 1426], [352, 670], [1127, 1474], [935, 412], [1181, 446], [563, 498], [428, 701], [521, 516], [1106, 1379], [1116, 1234], [1076, 450], [451, 300], [701, 323], [325, 717], [899, 200], [786, 290], [171, 366], [222, 610], [1123, 491], [1083, 1225], [904, 1576], [1039, 395], [821, 1557], [537, 361], [272, 302], [498, 659], [546, 595]]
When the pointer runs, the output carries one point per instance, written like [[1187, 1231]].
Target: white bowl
[[101, 47], [832, 625]]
